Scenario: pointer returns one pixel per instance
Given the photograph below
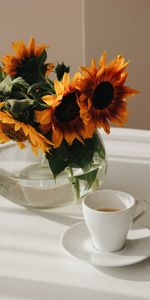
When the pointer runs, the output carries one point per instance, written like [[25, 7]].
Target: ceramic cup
[[108, 215]]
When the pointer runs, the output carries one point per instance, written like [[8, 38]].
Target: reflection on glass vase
[[28, 180]]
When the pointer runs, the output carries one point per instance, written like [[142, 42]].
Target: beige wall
[[57, 23], [123, 26], [78, 30]]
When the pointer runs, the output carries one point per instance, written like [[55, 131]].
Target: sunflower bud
[[61, 69]]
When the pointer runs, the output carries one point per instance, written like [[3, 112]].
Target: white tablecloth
[[33, 263]]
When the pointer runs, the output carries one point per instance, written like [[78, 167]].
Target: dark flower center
[[103, 95], [10, 132], [68, 108]]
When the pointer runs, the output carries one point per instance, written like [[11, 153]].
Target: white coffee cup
[[108, 215]]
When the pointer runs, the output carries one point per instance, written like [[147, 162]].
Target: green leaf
[[40, 89], [51, 86], [42, 58], [80, 155], [40, 105], [56, 163], [5, 86], [19, 88], [19, 106], [15, 89], [98, 146], [87, 154], [71, 153], [77, 155], [88, 177], [19, 82], [2, 76]]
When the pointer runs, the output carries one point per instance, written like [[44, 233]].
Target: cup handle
[[141, 206]]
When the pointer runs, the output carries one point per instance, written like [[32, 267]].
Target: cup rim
[[108, 212]]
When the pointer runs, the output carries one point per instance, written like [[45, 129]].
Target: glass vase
[[28, 181]]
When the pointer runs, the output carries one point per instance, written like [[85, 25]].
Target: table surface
[[33, 263]]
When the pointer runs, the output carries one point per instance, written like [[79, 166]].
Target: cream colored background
[[77, 30], [123, 27], [57, 23]]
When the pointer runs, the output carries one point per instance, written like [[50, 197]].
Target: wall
[[55, 23], [123, 27], [78, 30]]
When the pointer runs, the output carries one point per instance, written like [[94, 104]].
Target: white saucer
[[77, 242]]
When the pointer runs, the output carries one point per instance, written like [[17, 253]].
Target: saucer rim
[[72, 254]]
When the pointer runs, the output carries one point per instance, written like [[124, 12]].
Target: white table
[[33, 264]]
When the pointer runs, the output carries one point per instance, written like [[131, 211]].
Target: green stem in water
[[75, 184]]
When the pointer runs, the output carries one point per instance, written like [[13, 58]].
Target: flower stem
[[75, 184]]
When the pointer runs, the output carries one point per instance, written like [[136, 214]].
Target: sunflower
[[103, 93], [11, 129], [28, 61], [62, 118]]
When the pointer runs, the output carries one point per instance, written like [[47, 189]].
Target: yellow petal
[[76, 76], [93, 63], [31, 46], [34, 149], [87, 71], [32, 135], [44, 117], [59, 87], [25, 129], [3, 138], [57, 136], [105, 125], [102, 60], [125, 91], [50, 67], [40, 49], [17, 126], [69, 137], [1, 104], [49, 99], [21, 145], [66, 80], [100, 73], [8, 120], [20, 49]]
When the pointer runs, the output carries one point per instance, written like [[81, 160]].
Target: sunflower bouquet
[[60, 117]]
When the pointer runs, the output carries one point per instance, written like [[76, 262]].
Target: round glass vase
[[28, 181]]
